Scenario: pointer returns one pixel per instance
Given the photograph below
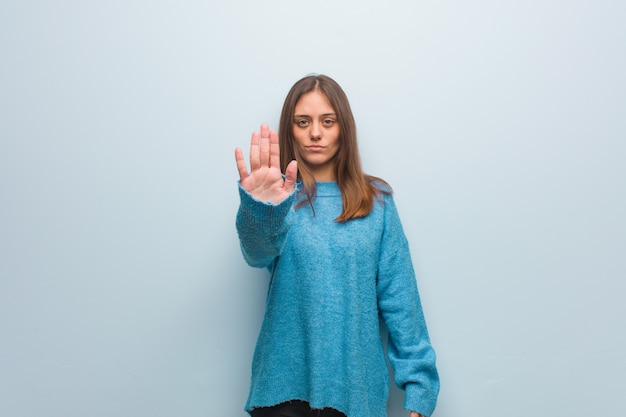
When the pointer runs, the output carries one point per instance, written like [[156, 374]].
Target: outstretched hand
[[265, 181]]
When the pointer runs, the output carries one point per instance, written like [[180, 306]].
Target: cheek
[[297, 137], [336, 137]]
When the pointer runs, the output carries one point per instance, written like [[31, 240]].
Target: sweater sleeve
[[262, 227], [409, 349]]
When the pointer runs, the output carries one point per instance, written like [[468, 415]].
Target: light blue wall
[[501, 126]]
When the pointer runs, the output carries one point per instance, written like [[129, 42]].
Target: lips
[[315, 148]]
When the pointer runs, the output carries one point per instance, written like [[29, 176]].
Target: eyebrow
[[323, 115]]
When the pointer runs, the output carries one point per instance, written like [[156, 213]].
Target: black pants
[[295, 408]]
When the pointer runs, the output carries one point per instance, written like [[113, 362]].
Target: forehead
[[313, 102]]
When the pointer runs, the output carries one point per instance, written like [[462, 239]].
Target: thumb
[[291, 175]]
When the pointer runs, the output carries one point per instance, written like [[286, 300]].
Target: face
[[316, 133]]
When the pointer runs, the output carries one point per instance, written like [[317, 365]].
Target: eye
[[302, 122], [328, 122]]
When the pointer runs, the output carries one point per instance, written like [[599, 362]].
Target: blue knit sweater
[[330, 284]]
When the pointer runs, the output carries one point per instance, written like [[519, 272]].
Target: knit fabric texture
[[330, 286]]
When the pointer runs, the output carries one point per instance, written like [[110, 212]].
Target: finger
[[241, 164], [274, 150], [255, 159], [291, 175], [265, 130], [264, 146]]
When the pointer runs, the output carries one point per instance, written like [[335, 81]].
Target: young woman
[[339, 262]]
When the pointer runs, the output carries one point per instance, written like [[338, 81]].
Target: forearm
[[409, 349], [262, 228]]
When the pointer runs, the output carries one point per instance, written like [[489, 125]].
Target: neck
[[323, 173]]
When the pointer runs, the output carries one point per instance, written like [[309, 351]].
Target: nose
[[316, 131]]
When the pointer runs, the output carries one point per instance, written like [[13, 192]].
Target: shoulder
[[383, 197], [379, 186]]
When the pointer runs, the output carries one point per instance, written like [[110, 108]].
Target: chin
[[315, 163]]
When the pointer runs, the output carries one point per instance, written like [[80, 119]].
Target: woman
[[339, 261]]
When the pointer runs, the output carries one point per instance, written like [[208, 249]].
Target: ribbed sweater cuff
[[419, 401]]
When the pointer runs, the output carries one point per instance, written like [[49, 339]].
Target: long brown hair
[[358, 190]]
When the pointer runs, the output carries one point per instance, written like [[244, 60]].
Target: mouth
[[315, 148]]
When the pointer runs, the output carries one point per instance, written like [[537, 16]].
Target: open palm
[[265, 181]]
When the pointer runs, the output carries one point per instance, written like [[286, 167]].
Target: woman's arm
[[262, 228], [266, 199], [410, 352]]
